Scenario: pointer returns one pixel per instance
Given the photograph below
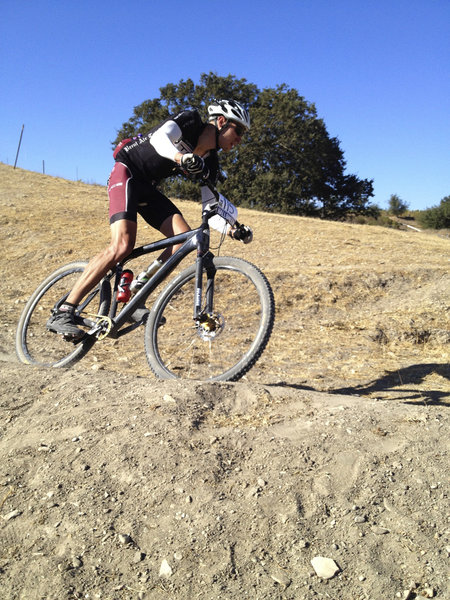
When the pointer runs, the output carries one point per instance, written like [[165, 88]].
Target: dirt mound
[[116, 485]]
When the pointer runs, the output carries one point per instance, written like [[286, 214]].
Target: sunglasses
[[239, 129]]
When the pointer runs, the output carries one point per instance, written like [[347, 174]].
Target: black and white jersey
[[149, 157]]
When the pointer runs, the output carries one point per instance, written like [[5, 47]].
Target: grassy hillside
[[358, 307], [115, 485]]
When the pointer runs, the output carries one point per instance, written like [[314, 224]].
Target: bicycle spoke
[[34, 343], [220, 340]]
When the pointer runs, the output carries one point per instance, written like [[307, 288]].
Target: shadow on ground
[[399, 382]]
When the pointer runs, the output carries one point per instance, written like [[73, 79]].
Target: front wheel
[[225, 342], [36, 345]]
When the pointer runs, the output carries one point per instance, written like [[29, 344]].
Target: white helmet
[[230, 109]]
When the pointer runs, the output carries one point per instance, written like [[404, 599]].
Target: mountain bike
[[211, 322]]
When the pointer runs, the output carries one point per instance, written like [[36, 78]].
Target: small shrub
[[397, 206], [436, 217], [382, 220]]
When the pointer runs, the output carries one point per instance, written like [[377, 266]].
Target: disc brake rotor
[[210, 326]]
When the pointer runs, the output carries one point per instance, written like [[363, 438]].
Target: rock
[[165, 570], [12, 515], [44, 448], [139, 557], [379, 530], [77, 562], [64, 565], [254, 492], [125, 538], [325, 568], [281, 578], [168, 398]]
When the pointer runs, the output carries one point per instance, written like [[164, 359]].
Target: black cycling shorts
[[129, 197]]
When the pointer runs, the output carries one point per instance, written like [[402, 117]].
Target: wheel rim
[[185, 349], [40, 346]]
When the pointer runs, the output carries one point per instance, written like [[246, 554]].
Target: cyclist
[[182, 140]]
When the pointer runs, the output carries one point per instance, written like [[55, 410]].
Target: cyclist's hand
[[242, 233], [193, 164]]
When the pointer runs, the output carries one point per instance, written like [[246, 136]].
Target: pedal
[[75, 339], [67, 337], [101, 328]]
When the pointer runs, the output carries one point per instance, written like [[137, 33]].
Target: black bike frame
[[196, 239]]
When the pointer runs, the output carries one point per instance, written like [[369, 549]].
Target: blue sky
[[377, 71]]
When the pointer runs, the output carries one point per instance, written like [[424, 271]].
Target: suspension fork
[[204, 262]]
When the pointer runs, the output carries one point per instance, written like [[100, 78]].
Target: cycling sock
[[67, 307]]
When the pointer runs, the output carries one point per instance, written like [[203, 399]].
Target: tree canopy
[[287, 163]]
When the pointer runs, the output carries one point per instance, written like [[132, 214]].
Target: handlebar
[[239, 231]]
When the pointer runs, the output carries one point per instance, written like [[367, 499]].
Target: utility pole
[[20, 141]]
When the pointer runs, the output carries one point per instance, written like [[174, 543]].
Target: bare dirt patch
[[116, 485]]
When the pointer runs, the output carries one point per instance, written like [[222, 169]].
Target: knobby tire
[[243, 300], [36, 345]]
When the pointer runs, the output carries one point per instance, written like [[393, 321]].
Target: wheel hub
[[210, 326]]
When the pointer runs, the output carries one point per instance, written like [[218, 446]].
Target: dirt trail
[[116, 485]]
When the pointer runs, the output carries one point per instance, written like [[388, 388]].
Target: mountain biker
[[182, 140]]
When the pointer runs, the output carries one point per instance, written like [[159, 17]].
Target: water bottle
[[143, 277], [123, 291]]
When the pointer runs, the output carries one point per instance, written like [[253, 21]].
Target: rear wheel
[[223, 344], [34, 343]]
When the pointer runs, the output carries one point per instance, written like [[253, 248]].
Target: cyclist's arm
[[164, 139]]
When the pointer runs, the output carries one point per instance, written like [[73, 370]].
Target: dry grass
[[359, 308]]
